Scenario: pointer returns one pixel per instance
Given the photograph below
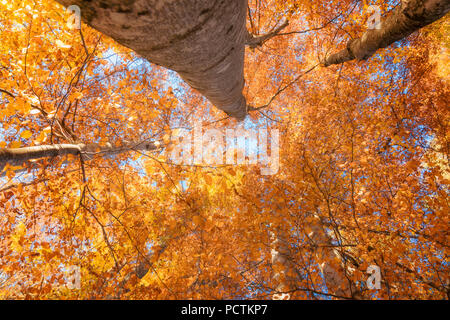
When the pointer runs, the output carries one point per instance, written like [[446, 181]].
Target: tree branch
[[18, 156], [257, 41], [408, 17]]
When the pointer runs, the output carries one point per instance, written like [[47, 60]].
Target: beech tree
[[93, 205]]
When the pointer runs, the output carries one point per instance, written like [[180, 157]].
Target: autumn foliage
[[364, 165]]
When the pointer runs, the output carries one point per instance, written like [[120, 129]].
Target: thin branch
[[280, 90]]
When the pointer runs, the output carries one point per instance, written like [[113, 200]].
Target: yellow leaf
[[18, 237], [15, 144], [10, 174], [197, 220], [42, 137], [26, 134], [208, 180]]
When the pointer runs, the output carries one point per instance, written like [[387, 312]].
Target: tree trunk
[[409, 16], [330, 263], [202, 40], [281, 265], [285, 274]]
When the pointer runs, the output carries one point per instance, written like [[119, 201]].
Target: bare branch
[[257, 41]]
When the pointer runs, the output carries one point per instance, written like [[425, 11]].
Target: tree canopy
[[94, 205]]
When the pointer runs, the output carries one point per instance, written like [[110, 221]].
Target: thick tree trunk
[[202, 40], [409, 16], [15, 157]]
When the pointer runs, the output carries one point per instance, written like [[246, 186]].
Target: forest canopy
[[123, 179]]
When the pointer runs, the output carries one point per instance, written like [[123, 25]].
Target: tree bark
[[18, 156], [409, 16], [202, 40]]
